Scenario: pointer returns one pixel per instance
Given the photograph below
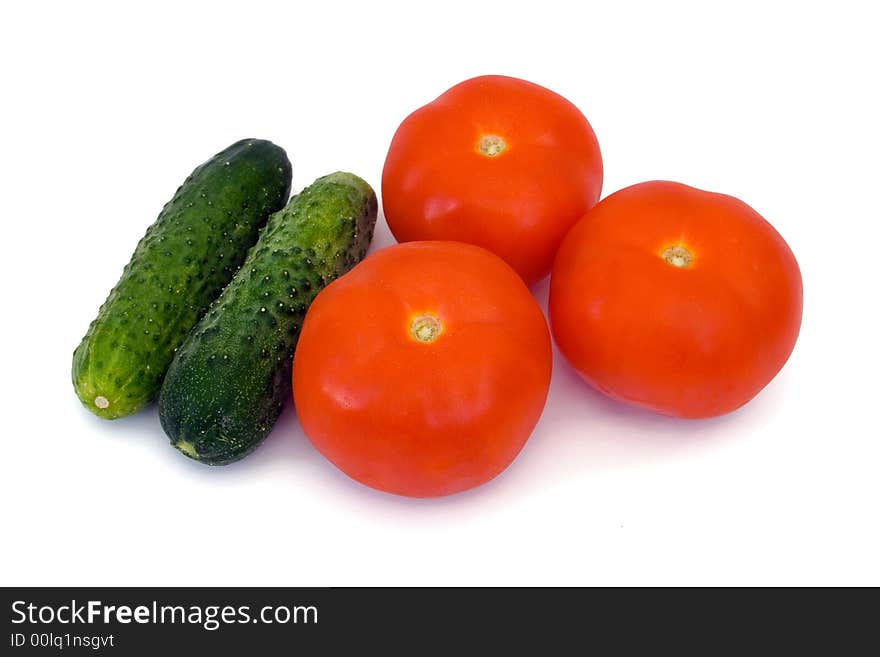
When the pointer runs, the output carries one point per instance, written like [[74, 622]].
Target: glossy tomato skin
[[641, 323], [417, 418], [519, 203]]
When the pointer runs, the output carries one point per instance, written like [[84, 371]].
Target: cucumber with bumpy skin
[[230, 378], [179, 267]]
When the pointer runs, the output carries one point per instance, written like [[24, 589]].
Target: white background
[[105, 109]]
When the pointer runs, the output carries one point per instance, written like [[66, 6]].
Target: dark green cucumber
[[230, 378], [179, 267]]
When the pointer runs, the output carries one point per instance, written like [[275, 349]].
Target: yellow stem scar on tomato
[[425, 328], [677, 256], [491, 145]]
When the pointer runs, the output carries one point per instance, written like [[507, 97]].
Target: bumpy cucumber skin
[[180, 265], [230, 378]]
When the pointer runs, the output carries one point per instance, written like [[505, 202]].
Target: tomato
[[678, 300], [423, 371], [497, 162]]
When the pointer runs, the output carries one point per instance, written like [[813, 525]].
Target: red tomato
[[497, 162], [682, 301], [423, 371]]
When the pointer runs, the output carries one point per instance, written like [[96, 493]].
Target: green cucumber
[[179, 267], [230, 378]]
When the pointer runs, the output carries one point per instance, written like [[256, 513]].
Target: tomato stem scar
[[677, 256], [425, 328], [491, 145]]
